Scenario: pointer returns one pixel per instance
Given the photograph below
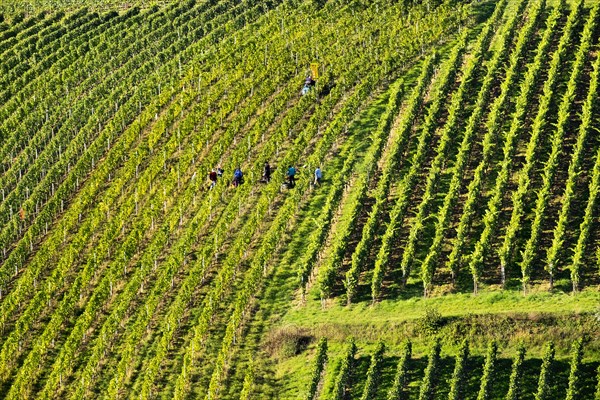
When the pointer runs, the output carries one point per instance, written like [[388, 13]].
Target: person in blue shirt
[[318, 176], [238, 177], [291, 176]]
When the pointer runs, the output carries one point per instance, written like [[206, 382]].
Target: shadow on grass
[[483, 10]]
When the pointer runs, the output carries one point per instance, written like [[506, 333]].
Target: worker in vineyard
[[238, 177], [22, 214], [291, 176], [318, 176], [266, 172], [220, 172], [309, 82], [212, 176]]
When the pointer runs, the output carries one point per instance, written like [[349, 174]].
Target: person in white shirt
[[318, 175]]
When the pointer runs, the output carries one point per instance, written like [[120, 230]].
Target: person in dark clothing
[[238, 177], [266, 172], [212, 176], [308, 83]]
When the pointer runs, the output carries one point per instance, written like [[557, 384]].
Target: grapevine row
[[494, 204], [556, 250]]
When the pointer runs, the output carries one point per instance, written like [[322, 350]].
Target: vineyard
[[343, 382], [451, 250]]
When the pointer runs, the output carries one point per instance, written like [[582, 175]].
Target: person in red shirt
[[212, 176]]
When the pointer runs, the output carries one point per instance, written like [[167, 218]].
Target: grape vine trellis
[[111, 243]]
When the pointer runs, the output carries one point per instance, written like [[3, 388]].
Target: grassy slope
[[456, 305]]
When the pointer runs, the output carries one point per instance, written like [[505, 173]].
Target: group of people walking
[[238, 176]]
